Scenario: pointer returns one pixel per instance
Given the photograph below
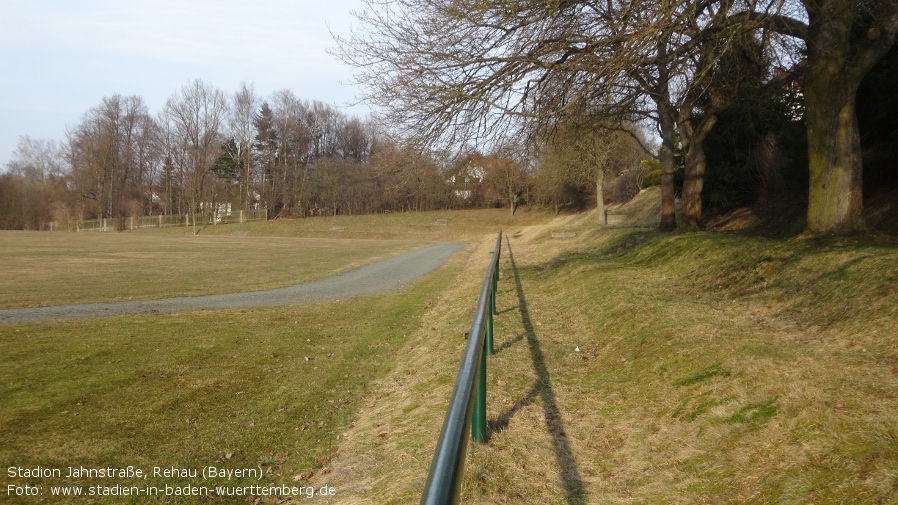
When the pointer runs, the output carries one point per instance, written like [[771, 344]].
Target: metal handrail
[[466, 408]]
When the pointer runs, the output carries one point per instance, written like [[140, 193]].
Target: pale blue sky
[[59, 58]]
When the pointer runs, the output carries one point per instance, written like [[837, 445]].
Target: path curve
[[379, 277]]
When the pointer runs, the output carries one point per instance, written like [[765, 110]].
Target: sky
[[60, 58]]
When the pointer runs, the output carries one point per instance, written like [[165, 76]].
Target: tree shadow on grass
[[542, 388]]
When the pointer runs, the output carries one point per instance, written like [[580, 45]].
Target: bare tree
[[581, 154], [36, 159], [296, 144], [463, 70], [113, 155], [510, 177], [405, 177], [34, 189], [354, 139], [244, 105], [196, 116]]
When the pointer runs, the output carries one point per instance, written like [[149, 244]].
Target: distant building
[[467, 178]]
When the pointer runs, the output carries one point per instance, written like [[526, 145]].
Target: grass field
[[41, 269], [269, 389], [433, 225], [643, 368], [265, 388]]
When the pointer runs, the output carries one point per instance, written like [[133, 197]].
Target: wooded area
[[206, 150], [724, 104]]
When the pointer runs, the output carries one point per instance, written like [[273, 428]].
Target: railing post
[[490, 350], [478, 417], [488, 341], [495, 284]]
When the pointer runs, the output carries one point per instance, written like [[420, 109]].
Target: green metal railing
[[467, 407]]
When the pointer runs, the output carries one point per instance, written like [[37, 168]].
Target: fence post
[[490, 350], [495, 286], [478, 417], [488, 341]]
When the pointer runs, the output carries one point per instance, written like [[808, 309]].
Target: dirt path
[[379, 277]]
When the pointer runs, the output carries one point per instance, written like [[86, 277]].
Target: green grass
[[274, 389], [710, 372]]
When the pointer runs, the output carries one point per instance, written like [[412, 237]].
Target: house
[[466, 178]]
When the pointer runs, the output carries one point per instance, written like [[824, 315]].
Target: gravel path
[[379, 277]]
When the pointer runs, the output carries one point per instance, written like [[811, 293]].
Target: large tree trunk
[[693, 185], [668, 167], [835, 198], [667, 124], [696, 162], [840, 54]]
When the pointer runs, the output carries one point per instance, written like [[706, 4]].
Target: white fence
[[162, 221]]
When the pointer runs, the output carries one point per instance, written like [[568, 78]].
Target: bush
[[652, 178]]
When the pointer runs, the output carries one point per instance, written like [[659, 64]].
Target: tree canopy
[[447, 70]]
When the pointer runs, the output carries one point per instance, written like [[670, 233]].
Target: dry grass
[[445, 225], [270, 388], [711, 369], [41, 269]]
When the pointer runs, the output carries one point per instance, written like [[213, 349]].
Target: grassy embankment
[[655, 368]]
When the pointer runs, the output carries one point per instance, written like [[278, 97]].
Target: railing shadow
[[542, 388], [510, 343], [503, 311]]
